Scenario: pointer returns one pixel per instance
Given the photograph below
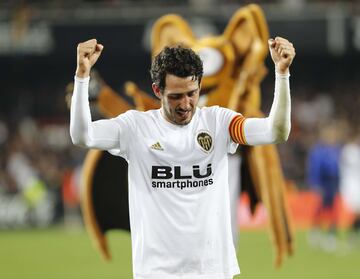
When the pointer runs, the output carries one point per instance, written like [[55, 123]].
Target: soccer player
[[349, 175], [323, 178], [178, 165]]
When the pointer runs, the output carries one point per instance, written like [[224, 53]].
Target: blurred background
[[41, 227]]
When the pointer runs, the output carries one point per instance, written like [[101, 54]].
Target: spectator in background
[[33, 158], [350, 181], [323, 178]]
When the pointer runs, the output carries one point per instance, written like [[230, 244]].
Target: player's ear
[[170, 30], [157, 91]]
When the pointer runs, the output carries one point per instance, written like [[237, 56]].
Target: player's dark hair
[[179, 61]]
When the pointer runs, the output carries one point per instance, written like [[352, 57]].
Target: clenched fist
[[282, 53], [87, 54]]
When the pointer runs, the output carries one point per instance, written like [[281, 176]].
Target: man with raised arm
[[178, 165]]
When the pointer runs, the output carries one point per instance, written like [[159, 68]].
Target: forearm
[[80, 116], [280, 113], [101, 134], [276, 127]]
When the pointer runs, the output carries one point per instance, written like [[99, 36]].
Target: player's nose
[[186, 103]]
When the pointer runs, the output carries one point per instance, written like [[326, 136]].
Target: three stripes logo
[[157, 146]]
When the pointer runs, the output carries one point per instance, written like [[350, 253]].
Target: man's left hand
[[282, 53]]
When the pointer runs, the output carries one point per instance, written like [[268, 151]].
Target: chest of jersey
[[189, 145], [178, 157]]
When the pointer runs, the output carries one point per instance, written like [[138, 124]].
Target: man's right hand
[[87, 54]]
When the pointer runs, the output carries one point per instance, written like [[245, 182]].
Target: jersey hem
[[157, 275]]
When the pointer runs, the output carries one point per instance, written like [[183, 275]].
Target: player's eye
[[174, 96], [212, 59], [192, 93]]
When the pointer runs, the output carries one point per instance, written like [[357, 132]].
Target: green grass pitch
[[58, 254]]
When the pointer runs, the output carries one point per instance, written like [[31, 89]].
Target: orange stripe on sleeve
[[232, 130], [236, 129], [241, 131]]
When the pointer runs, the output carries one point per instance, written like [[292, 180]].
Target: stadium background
[[37, 60]]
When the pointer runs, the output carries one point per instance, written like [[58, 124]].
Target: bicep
[[104, 134], [251, 131], [258, 131]]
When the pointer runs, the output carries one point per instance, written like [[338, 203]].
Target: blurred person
[[177, 155], [323, 178], [22, 171], [350, 181], [30, 185], [20, 22], [71, 198]]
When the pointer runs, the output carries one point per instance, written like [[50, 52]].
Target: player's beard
[[179, 116]]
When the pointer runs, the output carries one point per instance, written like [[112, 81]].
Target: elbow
[[281, 134], [282, 137], [77, 140], [80, 142]]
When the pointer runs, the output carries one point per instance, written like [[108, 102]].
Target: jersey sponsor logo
[[162, 175], [185, 184], [157, 146], [205, 141], [166, 172]]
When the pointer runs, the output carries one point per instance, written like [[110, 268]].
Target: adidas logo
[[156, 146]]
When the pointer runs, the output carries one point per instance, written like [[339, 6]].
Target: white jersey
[[178, 194], [178, 180], [350, 176]]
